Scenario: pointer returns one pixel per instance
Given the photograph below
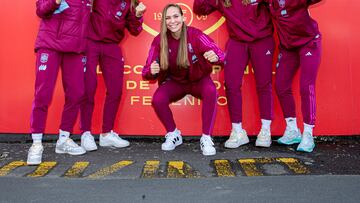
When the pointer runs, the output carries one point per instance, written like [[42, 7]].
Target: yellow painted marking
[[43, 169], [249, 167], [111, 169], [76, 170], [150, 169], [294, 165], [175, 169], [223, 168], [264, 160], [11, 166], [179, 169]]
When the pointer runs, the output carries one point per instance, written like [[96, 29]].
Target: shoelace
[[206, 141], [171, 137], [233, 135], [262, 134], [307, 138], [87, 136], [292, 133], [35, 148], [71, 143], [115, 135]]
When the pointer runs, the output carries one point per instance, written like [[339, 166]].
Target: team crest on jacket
[[118, 14], [123, 5], [44, 57], [194, 58], [282, 3], [191, 50], [84, 60], [42, 67]]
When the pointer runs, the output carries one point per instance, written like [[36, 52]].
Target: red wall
[[338, 84]]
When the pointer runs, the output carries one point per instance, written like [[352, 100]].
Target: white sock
[[291, 123], [206, 136], [63, 136], [237, 127], [265, 124], [176, 131], [308, 128], [37, 138]]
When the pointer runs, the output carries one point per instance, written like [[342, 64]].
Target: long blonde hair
[[226, 3], [182, 57]]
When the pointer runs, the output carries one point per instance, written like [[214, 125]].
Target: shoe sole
[[33, 163], [167, 149], [63, 152], [230, 146], [90, 149], [170, 149], [209, 154], [260, 144], [305, 150], [289, 143], [111, 145]]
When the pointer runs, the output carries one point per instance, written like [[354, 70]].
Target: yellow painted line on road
[[111, 169], [150, 169], [10, 166], [249, 167], [43, 169], [175, 169], [180, 169], [294, 165], [77, 169], [265, 160], [223, 168]]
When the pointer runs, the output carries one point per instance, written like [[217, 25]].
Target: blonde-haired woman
[[181, 59]]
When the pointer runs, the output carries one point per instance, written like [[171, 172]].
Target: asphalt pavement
[[143, 172]]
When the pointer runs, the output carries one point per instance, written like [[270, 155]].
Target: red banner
[[338, 86]]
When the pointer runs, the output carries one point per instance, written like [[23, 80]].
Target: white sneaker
[[69, 147], [112, 139], [237, 139], [263, 139], [35, 154], [88, 141], [290, 137], [307, 143], [207, 146], [173, 139]]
